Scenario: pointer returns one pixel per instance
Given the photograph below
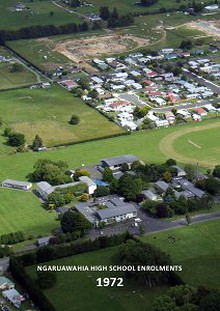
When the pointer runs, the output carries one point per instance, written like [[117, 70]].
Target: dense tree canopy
[[74, 222], [137, 253], [50, 171]]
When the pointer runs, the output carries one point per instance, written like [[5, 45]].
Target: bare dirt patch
[[82, 50], [211, 28]]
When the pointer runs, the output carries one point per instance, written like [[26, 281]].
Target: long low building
[[16, 184], [107, 209], [115, 163], [14, 297]]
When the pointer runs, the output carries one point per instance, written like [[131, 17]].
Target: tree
[[84, 82], [211, 302], [16, 139], [84, 197], [75, 3], [56, 199], [190, 171], [78, 173], [51, 13], [74, 119], [164, 303], [37, 143], [52, 172], [171, 162], [167, 176], [16, 67], [136, 253], [216, 171], [101, 191], [46, 279], [115, 14], [188, 219], [75, 222], [104, 12], [130, 187], [107, 175]]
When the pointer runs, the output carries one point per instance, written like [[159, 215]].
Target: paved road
[[212, 86], [151, 225]]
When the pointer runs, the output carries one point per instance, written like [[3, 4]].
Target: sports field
[[194, 144], [46, 112], [78, 291], [196, 248], [21, 210], [153, 146]]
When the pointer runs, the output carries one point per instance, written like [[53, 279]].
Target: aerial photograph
[[110, 155]]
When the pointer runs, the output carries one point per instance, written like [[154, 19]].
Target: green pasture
[[20, 210], [47, 112], [9, 80], [36, 13], [78, 291], [196, 248], [145, 145]]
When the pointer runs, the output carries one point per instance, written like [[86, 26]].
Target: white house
[[16, 184]]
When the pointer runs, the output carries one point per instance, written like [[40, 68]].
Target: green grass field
[[149, 146], [21, 210], [196, 248], [79, 292], [46, 112], [9, 80], [37, 14]]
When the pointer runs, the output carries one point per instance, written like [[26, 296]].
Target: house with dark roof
[[115, 163], [107, 209], [187, 185], [161, 185]]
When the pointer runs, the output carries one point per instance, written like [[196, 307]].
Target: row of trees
[[37, 31], [12, 238], [5, 251], [114, 19]]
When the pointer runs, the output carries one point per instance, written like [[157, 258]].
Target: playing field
[[46, 112], [22, 210], [78, 291], [196, 248], [189, 145], [153, 146]]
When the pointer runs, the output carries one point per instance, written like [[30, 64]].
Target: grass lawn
[[21, 210], [46, 112], [196, 248], [78, 291], [148, 146], [9, 80], [37, 14]]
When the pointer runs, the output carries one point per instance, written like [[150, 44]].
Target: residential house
[[5, 283], [13, 297]]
